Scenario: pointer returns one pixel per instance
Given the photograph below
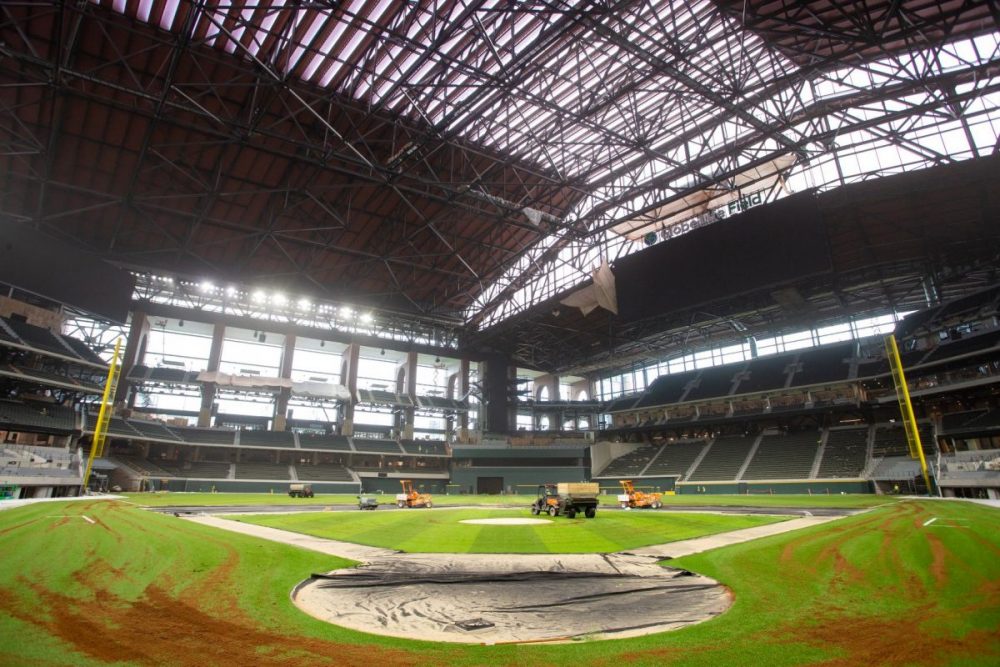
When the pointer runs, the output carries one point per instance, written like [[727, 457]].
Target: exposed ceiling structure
[[460, 160], [894, 244]]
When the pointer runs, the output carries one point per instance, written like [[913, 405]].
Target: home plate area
[[511, 598]]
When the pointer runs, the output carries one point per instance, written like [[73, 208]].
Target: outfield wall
[[235, 486], [817, 487], [611, 487], [464, 479], [391, 485]]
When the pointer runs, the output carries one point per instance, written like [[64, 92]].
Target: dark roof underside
[[438, 158]]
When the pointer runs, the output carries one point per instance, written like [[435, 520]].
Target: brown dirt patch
[[888, 642], [844, 574], [10, 529], [171, 624], [938, 557], [159, 629], [162, 630], [831, 532]]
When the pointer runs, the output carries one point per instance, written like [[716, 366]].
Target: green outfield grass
[[853, 501], [879, 588], [440, 531]]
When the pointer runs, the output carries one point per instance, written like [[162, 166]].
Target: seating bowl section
[[205, 436], [896, 468], [264, 471], [323, 473], [46, 341], [15, 415], [713, 382], [824, 364], [197, 469], [337, 443], [153, 430], [664, 390], [845, 453], [765, 374], [724, 460], [986, 420], [890, 441], [376, 446], [784, 456], [424, 447], [630, 464], [272, 439], [44, 377], [144, 467], [83, 350], [675, 459], [39, 338]]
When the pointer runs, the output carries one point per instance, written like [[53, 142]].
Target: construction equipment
[[632, 498], [410, 498], [367, 502], [567, 499], [300, 490]]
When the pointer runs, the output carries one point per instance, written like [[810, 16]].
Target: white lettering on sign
[[707, 218]]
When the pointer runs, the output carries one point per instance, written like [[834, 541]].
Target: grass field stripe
[[87, 518], [930, 521]]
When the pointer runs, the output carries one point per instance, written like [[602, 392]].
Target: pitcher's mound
[[505, 522]]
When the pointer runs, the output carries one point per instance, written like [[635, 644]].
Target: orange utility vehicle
[[410, 498], [632, 498]]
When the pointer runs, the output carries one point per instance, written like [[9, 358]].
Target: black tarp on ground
[[496, 598]]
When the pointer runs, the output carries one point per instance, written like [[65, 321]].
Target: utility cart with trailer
[[300, 490], [567, 499], [367, 502]]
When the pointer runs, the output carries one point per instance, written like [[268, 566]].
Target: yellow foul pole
[[906, 407], [104, 416]]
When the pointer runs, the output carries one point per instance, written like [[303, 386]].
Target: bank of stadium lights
[[269, 305]]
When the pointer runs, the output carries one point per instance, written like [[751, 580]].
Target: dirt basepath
[[366, 554], [358, 552], [699, 544]]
